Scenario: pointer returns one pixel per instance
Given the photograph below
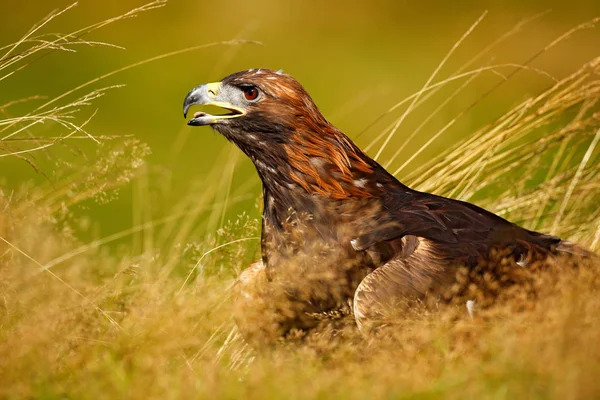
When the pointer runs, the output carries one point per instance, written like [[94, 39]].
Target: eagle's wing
[[463, 229], [430, 241]]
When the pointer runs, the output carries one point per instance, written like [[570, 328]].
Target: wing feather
[[465, 229]]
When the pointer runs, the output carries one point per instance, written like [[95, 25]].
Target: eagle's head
[[261, 104], [273, 119]]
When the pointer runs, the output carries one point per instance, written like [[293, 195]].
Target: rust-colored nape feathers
[[327, 164]]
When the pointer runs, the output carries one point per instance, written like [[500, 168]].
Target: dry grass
[[18, 135], [154, 321]]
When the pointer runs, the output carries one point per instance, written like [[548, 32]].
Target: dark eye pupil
[[251, 93]]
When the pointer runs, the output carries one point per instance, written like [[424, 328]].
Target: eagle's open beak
[[208, 94]]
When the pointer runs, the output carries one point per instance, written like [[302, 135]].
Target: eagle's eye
[[250, 92]]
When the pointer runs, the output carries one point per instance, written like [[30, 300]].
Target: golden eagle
[[340, 234]]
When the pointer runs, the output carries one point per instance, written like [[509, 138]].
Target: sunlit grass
[[153, 320]]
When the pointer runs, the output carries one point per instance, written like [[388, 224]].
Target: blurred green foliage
[[356, 58]]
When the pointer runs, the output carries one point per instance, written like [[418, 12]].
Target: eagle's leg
[[418, 276], [254, 313], [387, 292], [265, 310]]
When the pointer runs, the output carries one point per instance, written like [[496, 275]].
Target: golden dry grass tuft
[[81, 320]]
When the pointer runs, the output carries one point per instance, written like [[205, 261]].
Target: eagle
[[343, 237]]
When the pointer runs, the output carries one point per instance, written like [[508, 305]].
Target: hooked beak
[[208, 94]]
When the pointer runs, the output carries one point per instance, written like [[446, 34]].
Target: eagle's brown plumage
[[342, 235]]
